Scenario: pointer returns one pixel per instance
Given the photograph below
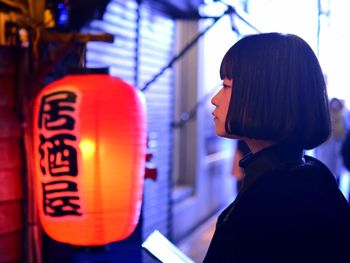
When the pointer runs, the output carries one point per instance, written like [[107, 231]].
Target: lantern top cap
[[84, 71]]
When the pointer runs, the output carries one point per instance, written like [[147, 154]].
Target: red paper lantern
[[90, 143]]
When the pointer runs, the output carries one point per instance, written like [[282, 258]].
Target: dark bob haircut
[[278, 91]]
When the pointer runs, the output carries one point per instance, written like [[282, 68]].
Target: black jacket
[[289, 210]]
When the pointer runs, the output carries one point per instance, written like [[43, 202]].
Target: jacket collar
[[269, 159]]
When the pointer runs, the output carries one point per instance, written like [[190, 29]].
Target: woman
[[289, 209]]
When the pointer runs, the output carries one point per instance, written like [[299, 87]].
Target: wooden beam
[[36, 10], [15, 6], [49, 36]]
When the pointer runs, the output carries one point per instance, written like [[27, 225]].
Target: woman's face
[[221, 101]]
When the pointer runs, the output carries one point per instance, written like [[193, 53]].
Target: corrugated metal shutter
[[156, 35], [156, 45], [120, 19]]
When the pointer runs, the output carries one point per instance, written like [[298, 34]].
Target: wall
[[11, 161]]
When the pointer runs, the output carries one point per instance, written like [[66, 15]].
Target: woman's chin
[[224, 134]]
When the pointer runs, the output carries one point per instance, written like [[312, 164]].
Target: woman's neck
[[257, 145]]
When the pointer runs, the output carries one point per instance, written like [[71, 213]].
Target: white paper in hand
[[161, 248]]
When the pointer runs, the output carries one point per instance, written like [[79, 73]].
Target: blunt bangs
[[278, 90]]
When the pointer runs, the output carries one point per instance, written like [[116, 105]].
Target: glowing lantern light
[[90, 142]]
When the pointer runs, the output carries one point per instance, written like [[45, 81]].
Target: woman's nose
[[214, 99]]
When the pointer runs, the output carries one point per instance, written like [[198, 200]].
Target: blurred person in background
[[329, 151]]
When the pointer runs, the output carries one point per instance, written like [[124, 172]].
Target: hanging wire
[[229, 10], [82, 53]]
